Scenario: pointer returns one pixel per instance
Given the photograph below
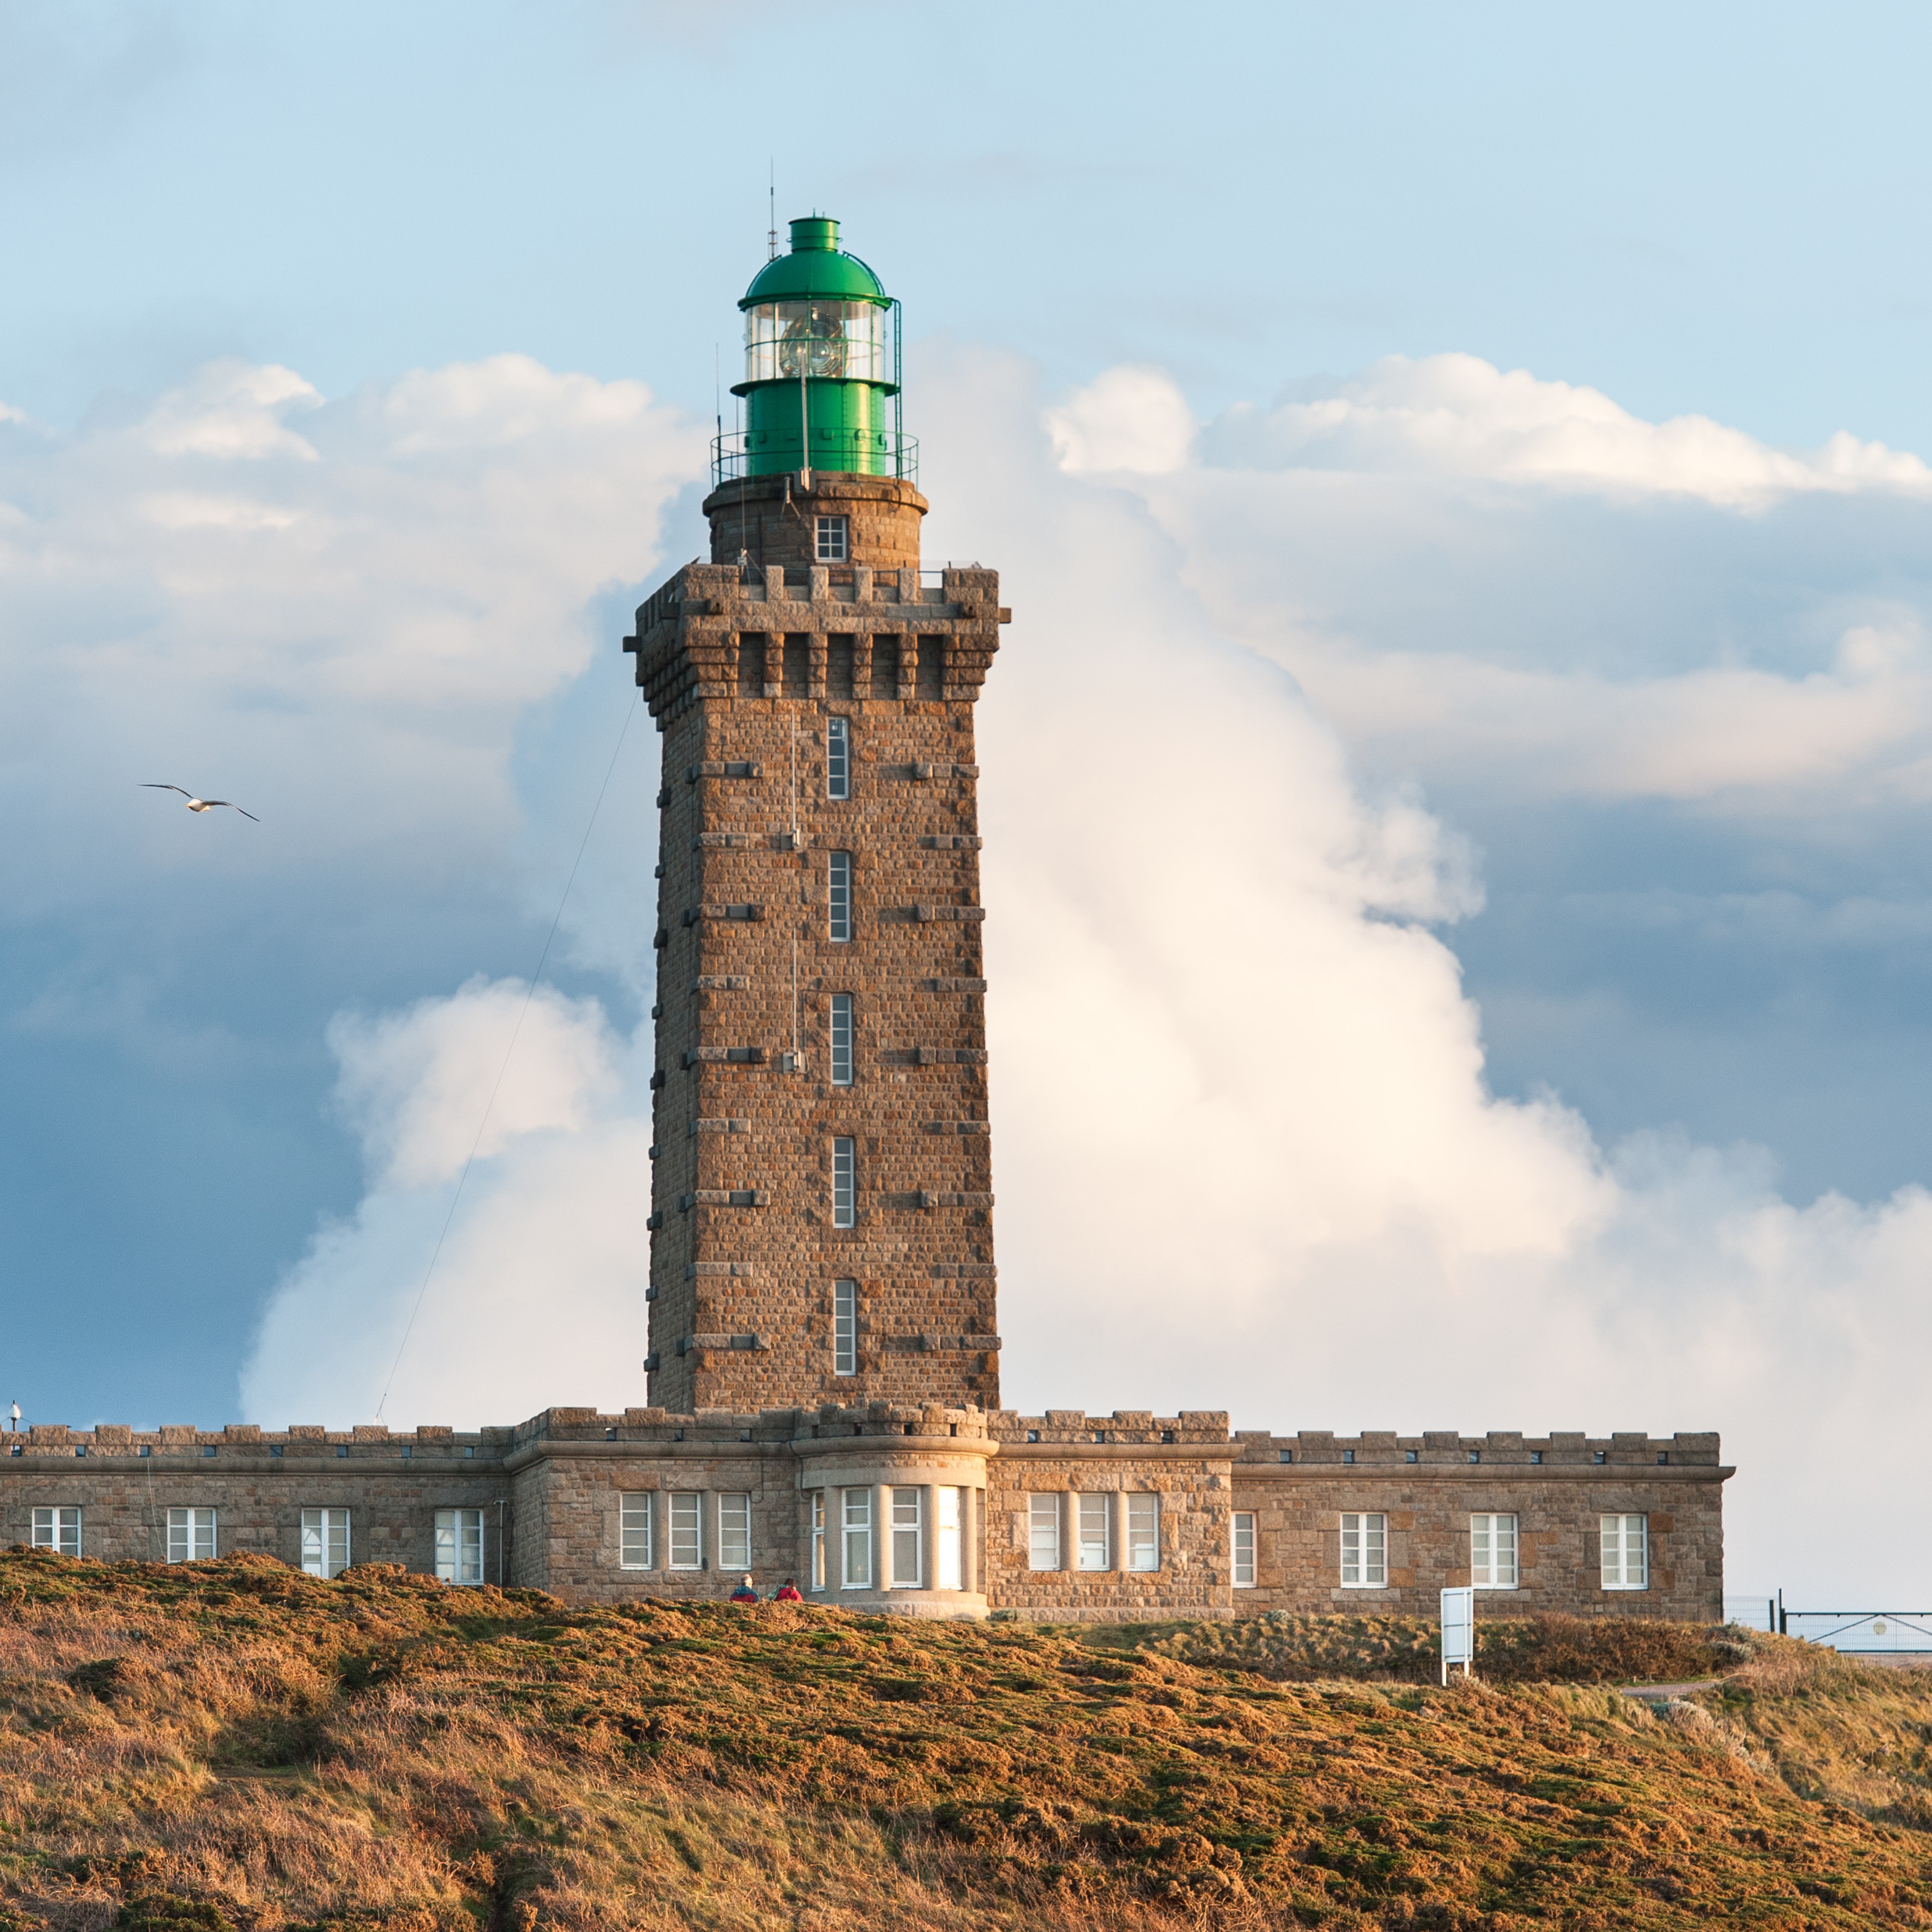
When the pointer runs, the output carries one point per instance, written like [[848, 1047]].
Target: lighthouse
[[821, 1196]]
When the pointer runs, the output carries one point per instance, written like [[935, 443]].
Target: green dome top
[[817, 267]]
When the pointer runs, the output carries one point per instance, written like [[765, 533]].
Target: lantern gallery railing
[[858, 452]]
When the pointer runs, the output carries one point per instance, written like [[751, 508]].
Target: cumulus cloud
[[1247, 1153], [537, 1296], [1459, 415], [1525, 642]]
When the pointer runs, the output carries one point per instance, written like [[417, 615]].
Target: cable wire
[[530, 994]]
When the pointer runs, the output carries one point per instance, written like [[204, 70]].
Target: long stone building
[[823, 1383]]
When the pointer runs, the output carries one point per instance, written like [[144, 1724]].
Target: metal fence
[[878, 452], [1863, 1632], [1860, 1633]]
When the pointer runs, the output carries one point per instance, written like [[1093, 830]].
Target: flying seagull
[[199, 804]]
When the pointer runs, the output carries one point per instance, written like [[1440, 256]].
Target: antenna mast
[[771, 233]]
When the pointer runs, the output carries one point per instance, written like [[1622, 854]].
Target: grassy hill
[[232, 1744]]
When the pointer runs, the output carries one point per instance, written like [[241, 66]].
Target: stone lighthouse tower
[[821, 1210]]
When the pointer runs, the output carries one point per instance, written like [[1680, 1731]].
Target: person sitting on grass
[[744, 1593], [789, 1595]]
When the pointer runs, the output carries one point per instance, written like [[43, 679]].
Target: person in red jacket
[[789, 1595], [744, 1593]]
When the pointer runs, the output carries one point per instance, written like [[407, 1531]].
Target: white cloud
[[1245, 1153], [424, 1087], [538, 1295], [234, 411], [1132, 418], [340, 627], [1412, 545], [1457, 415]]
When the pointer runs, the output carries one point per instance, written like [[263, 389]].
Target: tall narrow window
[[1095, 1553], [1244, 1550], [1042, 1532], [837, 758], [1626, 1552], [325, 1542], [817, 1572], [948, 1563], [633, 1530], [838, 667], [751, 667], [734, 1532], [1364, 1551], [906, 1526], [687, 1530], [190, 1535], [459, 1545], [856, 1557], [1492, 1551], [832, 535], [841, 1039], [838, 896], [929, 673], [845, 1327], [1143, 1532], [58, 1528], [795, 667], [844, 1184]]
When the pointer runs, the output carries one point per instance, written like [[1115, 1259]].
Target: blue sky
[[357, 365]]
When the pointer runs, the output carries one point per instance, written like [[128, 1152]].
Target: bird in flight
[[199, 804]]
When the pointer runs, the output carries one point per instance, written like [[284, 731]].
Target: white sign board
[[1459, 1631]]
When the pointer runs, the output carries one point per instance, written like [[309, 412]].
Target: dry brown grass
[[234, 1745]]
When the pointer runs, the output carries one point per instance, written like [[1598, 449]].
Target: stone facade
[[824, 1351], [1062, 1518], [747, 670]]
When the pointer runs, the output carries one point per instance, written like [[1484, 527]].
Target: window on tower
[[844, 1184], [839, 758], [841, 1039], [832, 539], [838, 893], [845, 1327]]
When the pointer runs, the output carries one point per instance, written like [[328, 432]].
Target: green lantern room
[[821, 385]]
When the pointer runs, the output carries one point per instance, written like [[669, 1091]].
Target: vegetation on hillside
[[234, 1745]]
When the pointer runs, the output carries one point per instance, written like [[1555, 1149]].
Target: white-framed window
[[841, 1039], [1244, 1549], [459, 1545], [906, 1527], [1094, 1526], [58, 1528], [845, 1327], [855, 1555], [817, 1572], [838, 896], [1624, 1541], [1043, 1532], [1492, 1551], [844, 1184], [1143, 1532], [837, 758], [191, 1535], [1364, 1550], [832, 534], [325, 1542], [734, 1533], [686, 1530], [634, 1530], [948, 1562]]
